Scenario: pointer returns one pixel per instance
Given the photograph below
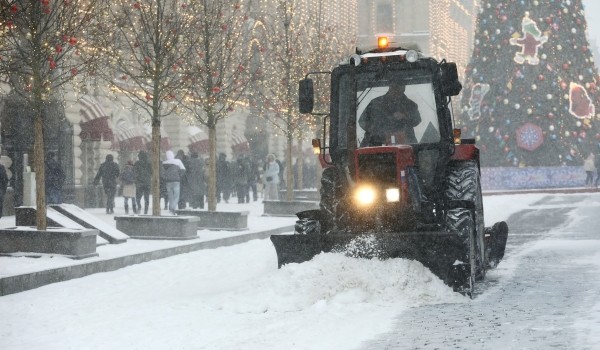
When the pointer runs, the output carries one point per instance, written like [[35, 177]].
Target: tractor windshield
[[396, 111]]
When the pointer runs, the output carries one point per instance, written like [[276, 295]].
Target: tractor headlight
[[365, 195], [392, 195], [412, 56]]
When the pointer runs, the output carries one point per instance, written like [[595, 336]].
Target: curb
[[545, 190], [20, 283]]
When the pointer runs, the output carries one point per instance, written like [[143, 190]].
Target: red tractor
[[398, 182]]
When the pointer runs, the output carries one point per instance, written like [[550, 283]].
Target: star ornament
[[529, 137]]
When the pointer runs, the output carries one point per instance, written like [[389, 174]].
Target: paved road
[[533, 308]]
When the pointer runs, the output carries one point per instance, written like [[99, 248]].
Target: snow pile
[[364, 246], [334, 280]]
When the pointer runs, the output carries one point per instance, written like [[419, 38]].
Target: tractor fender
[[465, 152]]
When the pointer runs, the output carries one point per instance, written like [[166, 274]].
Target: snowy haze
[[236, 298], [592, 15]]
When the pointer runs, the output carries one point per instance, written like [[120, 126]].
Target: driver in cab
[[390, 119]]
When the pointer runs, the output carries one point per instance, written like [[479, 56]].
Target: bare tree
[[147, 56], [45, 44], [219, 76], [297, 44]]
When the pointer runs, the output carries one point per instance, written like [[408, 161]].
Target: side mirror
[[306, 96], [450, 84]]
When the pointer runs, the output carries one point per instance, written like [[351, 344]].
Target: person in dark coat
[[143, 180], [128, 185], [3, 186], [196, 181], [390, 119], [55, 178], [184, 184], [109, 173], [224, 182], [240, 178], [253, 179]]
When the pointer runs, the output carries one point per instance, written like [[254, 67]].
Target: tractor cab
[[390, 121]]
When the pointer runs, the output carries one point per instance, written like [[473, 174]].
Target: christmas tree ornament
[[477, 94], [529, 137], [530, 43], [580, 103]]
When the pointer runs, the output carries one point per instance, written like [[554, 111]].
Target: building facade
[[101, 122], [439, 28]]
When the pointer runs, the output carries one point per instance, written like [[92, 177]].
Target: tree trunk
[[289, 196], [38, 161], [300, 165], [156, 167], [212, 168]]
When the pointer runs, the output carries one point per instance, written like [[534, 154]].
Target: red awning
[[95, 124], [239, 143], [199, 146], [130, 137], [165, 141], [198, 140]]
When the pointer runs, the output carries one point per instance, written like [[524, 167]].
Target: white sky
[[592, 14]]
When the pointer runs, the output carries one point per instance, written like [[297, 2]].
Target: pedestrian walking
[[184, 188], [128, 184], [281, 172], [109, 173], [224, 178], [271, 179], [589, 167], [173, 171], [54, 179], [597, 165], [3, 187], [196, 181], [240, 179], [253, 179], [143, 180]]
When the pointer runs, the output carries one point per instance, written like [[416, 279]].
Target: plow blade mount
[[446, 255]]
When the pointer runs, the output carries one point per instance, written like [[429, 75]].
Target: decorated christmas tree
[[531, 94]]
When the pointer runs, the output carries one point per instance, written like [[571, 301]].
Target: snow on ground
[[233, 298], [10, 266]]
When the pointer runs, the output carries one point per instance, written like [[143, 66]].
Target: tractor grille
[[379, 168]]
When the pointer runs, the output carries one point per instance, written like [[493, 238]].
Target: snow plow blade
[[445, 254]]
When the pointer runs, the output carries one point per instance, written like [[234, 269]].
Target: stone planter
[[158, 227], [303, 195], [285, 208], [73, 243], [86, 219], [27, 216], [218, 220]]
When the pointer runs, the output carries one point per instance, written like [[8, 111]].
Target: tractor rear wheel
[[462, 273], [463, 193]]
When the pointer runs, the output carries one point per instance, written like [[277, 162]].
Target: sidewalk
[[23, 273]]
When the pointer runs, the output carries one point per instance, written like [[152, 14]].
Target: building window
[[385, 21]]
